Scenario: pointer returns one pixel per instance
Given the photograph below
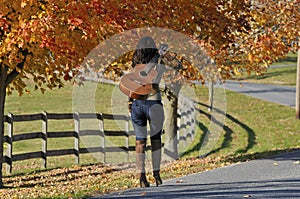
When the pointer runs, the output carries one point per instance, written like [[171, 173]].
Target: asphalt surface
[[284, 95], [274, 177]]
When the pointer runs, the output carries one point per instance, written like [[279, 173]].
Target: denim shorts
[[144, 111]]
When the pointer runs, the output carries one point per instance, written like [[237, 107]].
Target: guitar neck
[[151, 64]]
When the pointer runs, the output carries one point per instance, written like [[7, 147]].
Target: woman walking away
[[147, 63], [148, 109]]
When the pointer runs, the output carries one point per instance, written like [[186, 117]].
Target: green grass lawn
[[253, 126], [252, 129], [282, 72], [61, 101]]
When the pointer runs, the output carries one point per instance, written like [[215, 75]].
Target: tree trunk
[[3, 75], [297, 105], [171, 126]]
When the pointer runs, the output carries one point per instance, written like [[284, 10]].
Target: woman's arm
[[171, 61]]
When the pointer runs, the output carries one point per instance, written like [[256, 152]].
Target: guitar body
[[137, 84]]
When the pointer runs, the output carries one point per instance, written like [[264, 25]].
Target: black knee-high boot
[[140, 147], [156, 159]]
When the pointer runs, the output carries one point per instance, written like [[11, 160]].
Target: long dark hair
[[145, 52]]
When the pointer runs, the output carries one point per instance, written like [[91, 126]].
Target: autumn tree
[[269, 32], [200, 21], [241, 36], [44, 41]]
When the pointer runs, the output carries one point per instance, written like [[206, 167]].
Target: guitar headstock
[[163, 49], [169, 57]]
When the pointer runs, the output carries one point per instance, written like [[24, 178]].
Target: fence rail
[[44, 134], [185, 118]]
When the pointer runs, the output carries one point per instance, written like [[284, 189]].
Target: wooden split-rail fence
[[186, 124]]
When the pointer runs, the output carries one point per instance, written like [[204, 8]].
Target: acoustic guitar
[[138, 83]]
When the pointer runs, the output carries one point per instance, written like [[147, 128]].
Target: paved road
[[274, 177], [284, 95]]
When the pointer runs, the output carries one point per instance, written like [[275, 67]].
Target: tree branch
[[13, 74]]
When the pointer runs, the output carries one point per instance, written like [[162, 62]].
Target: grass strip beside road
[[252, 129], [282, 72]]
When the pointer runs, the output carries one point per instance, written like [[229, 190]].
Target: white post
[[211, 96], [44, 138], [77, 137], [127, 137], [10, 122], [102, 134]]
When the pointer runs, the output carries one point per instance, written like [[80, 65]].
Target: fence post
[[211, 96], [44, 138], [102, 134], [193, 118], [77, 138], [179, 123], [10, 121], [297, 100], [127, 136]]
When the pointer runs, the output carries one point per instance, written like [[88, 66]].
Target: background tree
[[202, 21], [241, 36]]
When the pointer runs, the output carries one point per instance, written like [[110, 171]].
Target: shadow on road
[[240, 189]]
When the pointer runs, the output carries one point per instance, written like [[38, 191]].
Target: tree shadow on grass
[[276, 154], [228, 132], [287, 71], [276, 73], [289, 59], [59, 175]]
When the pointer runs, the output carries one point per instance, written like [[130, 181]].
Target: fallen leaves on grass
[[64, 182], [296, 162], [83, 181]]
